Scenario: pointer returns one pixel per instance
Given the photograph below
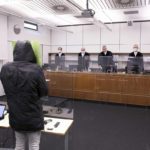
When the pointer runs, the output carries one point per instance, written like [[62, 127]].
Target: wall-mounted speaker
[[17, 29]]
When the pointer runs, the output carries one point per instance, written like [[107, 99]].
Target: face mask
[[59, 51], [135, 49]]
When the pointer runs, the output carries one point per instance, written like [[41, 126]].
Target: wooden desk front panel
[[108, 83], [84, 81], [60, 93], [135, 99], [84, 86], [61, 84], [118, 88], [108, 97], [136, 85]]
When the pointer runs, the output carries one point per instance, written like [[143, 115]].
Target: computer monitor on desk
[[107, 64], [135, 65], [49, 67], [73, 68]]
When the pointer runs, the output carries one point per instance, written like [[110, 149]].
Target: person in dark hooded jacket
[[24, 84]]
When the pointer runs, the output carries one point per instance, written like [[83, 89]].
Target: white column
[[3, 45]]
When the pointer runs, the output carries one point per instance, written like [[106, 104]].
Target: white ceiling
[[106, 10], [113, 11]]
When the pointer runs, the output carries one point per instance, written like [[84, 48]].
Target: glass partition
[[135, 65], [66, 81], [59, 102], [99, 64]]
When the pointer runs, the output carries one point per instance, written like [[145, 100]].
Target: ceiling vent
[[125, 2], [131, 12], [61, 9]]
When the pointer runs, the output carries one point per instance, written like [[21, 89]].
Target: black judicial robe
[[83, 62], [139, 54]]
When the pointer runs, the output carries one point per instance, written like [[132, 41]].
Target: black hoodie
[[24, 83]]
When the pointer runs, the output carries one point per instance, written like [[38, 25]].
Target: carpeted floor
[[103, 126]]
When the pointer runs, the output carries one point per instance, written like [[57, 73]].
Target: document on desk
[[5, 122], [62, 125], [55, 126]]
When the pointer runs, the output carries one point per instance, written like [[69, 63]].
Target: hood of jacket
[[23, 51]]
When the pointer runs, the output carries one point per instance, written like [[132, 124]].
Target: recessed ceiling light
[[131, 12], [124, 1], [60, 7]]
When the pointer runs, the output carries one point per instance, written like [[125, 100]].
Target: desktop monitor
[[49, 67], [73, 67], [107, 64], [135, 65]]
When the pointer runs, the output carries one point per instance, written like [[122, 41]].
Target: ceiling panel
[[48, 6], [106, 10], [113, 4], [42, 9], [113, 10]]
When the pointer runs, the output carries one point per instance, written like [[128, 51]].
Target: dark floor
[[110, 127], [102, 126]]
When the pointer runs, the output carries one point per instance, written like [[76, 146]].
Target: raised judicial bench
[[50, 128], [115, 88]]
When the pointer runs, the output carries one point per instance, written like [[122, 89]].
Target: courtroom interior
[[74, 74]]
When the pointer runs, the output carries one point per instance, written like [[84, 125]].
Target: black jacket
[[24, 83], [60, 61], [139, 54], [83, 62], [109, 53], [105, 61]]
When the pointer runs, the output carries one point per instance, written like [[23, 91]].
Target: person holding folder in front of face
[[83, 60]]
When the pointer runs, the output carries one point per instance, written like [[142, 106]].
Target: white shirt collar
[[59, 54], [135, 53], [105, 52], [82, 54]]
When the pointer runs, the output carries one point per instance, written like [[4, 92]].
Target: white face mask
[[59, 51], [135, 49]]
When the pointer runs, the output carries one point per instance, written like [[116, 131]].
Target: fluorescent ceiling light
[[7, 2], [29, 10], [52, 18], [70, 19]]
